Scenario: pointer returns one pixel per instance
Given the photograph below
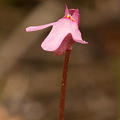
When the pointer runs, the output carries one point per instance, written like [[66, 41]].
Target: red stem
[[63, 86]]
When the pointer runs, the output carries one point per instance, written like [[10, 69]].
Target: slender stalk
[[63, 86]]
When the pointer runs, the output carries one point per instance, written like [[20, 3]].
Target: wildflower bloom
[[63, 34]]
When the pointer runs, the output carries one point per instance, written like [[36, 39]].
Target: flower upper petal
[[66, 10], [36, 28], [76, 16], [74, 13], [59, 31]]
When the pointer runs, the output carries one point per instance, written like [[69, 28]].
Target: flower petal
[[76, 16], [59, 31], [66, 10], [36, 28], [69, 11], [76, 34]]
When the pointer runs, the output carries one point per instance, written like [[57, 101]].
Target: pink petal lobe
[[66, 10], [59, 31], [36, 28], [76, 16], [76, 35]]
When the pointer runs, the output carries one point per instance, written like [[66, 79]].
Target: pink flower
[[63, 34]]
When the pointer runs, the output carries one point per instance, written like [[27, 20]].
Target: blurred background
[[30, 78]]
